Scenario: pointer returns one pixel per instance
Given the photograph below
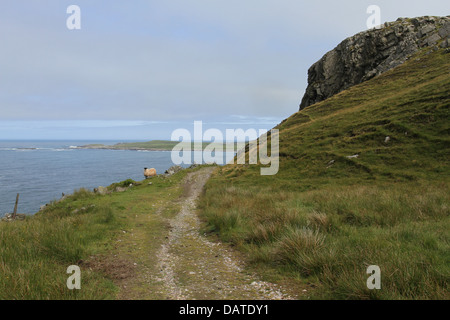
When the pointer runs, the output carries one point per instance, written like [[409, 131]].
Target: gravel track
[[192, 267]]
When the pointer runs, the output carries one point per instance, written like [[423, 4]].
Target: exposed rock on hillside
[[370, 53]]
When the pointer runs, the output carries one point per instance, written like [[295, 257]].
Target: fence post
[[15, 207]]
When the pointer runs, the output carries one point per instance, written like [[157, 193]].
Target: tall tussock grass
[[35, 253], [330, 236]]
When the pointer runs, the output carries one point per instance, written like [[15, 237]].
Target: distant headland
[[154, 145]]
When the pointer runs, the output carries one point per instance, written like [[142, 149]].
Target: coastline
[[106, 147], [157, 145], [40, 171]]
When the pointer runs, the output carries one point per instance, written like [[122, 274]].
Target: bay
[[40, 171]]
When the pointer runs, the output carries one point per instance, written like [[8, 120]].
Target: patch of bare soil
[[117, 269]]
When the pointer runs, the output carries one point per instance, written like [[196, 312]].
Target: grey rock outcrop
[[101, 190], [174, 169], [373, 52], [9, 217]]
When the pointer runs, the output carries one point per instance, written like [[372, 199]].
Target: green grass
[[324, 217], [158, 145], [35, 253]]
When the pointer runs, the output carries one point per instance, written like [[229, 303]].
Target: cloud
[[172, 60]]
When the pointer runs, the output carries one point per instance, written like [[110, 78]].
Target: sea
[[41, 171]]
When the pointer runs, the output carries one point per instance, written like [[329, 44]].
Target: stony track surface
[[193, 267]]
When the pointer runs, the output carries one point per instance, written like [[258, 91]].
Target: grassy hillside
[[325, 217]]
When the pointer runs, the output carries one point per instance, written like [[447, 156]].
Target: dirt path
[[192, 267]]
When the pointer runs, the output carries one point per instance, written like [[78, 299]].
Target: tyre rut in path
[[192, 267]]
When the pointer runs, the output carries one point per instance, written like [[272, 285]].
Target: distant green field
[[325, 217], [164, 145]]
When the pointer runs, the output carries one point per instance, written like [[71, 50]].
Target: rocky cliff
[[370, 53]]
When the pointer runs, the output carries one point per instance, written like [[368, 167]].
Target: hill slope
[[371, 53], [325, 217]]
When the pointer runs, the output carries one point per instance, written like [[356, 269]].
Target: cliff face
[[370, 53]]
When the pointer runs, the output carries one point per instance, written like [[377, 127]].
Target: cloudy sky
[[139, 69]]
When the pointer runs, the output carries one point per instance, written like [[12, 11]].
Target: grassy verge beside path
[[86, 229]]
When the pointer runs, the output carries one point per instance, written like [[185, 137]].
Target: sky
[[137, 70]]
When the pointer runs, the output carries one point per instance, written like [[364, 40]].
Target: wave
[[37, 149], [61, 150]]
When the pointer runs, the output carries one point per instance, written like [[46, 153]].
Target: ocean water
[[40, 171]]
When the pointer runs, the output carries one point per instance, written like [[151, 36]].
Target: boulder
[[101, 190], [174, 169]]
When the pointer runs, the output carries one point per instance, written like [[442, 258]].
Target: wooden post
[[15, 207]]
